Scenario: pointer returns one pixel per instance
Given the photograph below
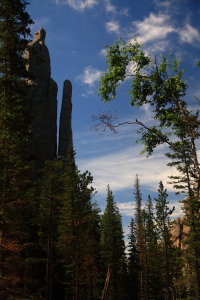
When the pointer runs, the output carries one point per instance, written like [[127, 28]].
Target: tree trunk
[[49, 257]]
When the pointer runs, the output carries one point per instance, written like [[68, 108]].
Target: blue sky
[[77, 31]]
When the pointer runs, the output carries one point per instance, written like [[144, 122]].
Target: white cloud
[[165, 4], [158, 47], [89, 92], [124, 11], [154, 27], [112, 162], [110, 8], [79, 5], [103, 52], [189, 34], [130, 69], [105, 169], [96, 144], [172, 7], [119, 170], [113, 26], [147, 108], [90, 76], [127, 208]]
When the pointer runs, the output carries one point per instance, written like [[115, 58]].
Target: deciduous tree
[[160, 83]]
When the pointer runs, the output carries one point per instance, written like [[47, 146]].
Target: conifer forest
[[55, 243]]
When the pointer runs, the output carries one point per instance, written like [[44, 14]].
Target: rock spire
[[42, 96], [65, 130]]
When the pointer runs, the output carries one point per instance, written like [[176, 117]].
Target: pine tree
[[13, 114], [153, 266], [42, 218], [48, 219], [141, 247], [163, 223], [113, 248], [78, 242], [185, 159], [133, 263], [14, 134]]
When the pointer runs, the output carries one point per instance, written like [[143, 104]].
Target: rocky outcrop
[[180, 227], [65, 130], [38, 59], [178, 232], [42, 94]]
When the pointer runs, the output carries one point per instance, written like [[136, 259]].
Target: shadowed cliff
[[42, 95]]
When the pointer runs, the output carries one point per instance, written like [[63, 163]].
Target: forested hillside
[[55, 243]]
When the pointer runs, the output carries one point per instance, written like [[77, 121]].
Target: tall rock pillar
[[65, 130], [42, 94]]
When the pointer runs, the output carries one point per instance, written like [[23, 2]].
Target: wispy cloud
[[105, 169], [110, 8], [79, 5], [153, 27], [165, 4], [127, 208], [158, 47], [130, 69], [189, 34], [89, 92], [89, 76], [113, 27], [171, 7], [103, 52], [148, 111]]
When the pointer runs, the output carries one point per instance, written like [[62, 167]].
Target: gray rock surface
[[37, 55], [42, 94], [65, 130]]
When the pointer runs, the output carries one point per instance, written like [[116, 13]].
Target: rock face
[[38, 58], [65, 130], [180, 228], [42, 94], [177, 232]]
